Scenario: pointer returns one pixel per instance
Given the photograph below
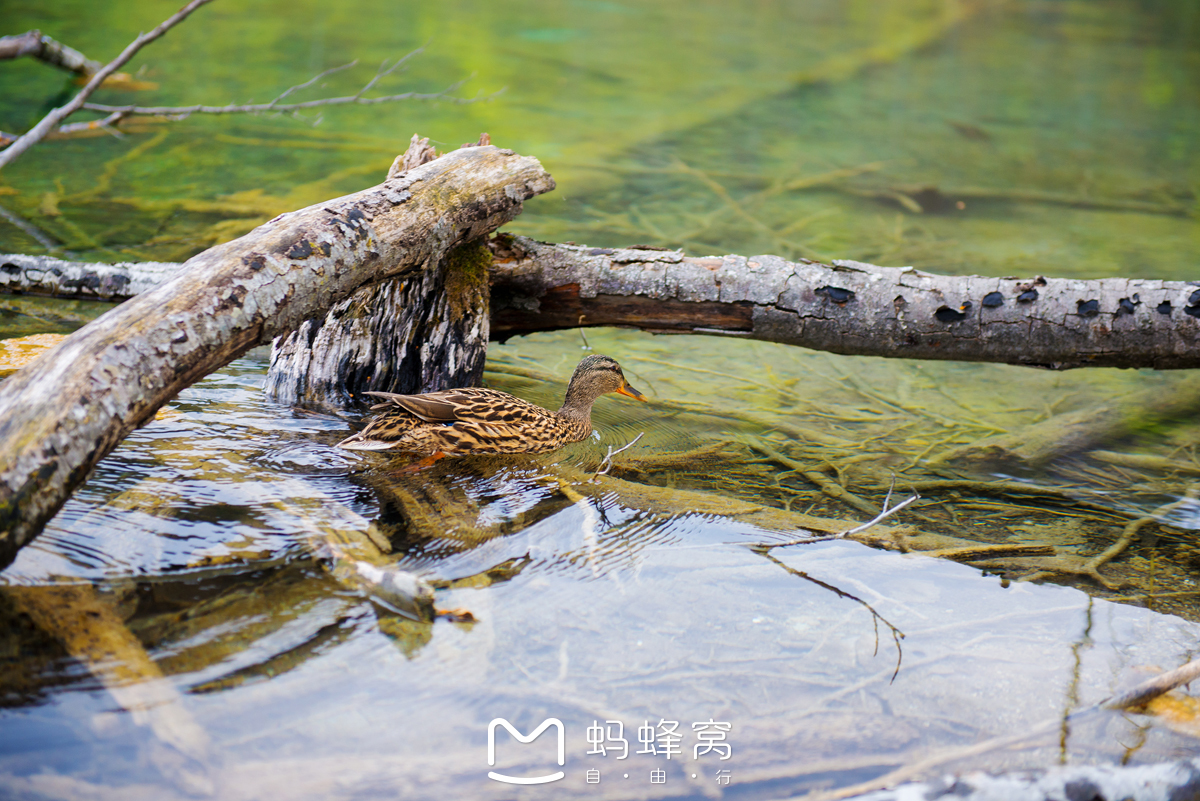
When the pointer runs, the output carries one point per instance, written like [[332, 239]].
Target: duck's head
[[595, 376]]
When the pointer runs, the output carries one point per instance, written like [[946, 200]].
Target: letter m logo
[[547, 723]]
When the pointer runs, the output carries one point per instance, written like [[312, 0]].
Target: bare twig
[[603, 470], [106, 124], [285, 108], [879, 518], [1149, 690], [897, 634], [55, 117], [43, 48], [314, 79], [277, 107]]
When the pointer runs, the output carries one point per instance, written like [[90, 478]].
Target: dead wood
[[849, 307], [277, 106], [415, 333], [52, 120], [47, 50], [62, 414], [92, 630]]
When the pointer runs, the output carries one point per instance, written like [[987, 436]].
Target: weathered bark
[[62, 414], [44, 275], [43, 48], [850, 307], [422, 333], [407, 335]]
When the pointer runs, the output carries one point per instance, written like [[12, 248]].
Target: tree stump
[[421, 332]]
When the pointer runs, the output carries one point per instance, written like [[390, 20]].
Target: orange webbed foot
[[417, 466]]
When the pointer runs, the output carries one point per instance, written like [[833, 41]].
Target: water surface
[[224, 651]]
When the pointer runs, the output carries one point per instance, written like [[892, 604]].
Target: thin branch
[[879, 518], [897, 634], [43, 48], [603, 470], [107, 124], [382, 73], [55, 117], [312, 80], [1134, 699], [283, 108], [1148, 690]]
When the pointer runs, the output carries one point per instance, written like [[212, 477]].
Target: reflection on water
[[205, 616], [215, 601]]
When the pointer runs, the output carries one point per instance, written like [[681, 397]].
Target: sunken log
[[62, 414], [849, 307]]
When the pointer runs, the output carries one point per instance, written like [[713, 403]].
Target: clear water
[[225, 657]]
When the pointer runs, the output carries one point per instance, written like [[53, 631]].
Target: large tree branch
[[850, 307], [62, 414], [52, 120], [847, 307]]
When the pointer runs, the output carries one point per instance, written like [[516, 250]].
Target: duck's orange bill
[[631, 392]]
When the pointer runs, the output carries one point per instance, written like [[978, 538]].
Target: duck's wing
[[451, 405], [429, 408]]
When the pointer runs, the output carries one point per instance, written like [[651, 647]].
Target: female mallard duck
[[470, 420]]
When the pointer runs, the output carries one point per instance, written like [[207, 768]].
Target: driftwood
[[45, 275], [848, 307], [417, 333], [62, 414]]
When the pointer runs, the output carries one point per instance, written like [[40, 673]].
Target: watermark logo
[[547, 723]]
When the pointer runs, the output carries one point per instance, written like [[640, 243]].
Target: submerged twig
[[897, 634], [830, 488], [603, 470], [879, 518], [52, 120], [1149, 690], [1137, 697], [276, 107]]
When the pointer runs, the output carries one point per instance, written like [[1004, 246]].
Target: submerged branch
[[55, 117]]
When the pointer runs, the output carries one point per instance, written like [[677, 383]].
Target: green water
[[1003, 138]]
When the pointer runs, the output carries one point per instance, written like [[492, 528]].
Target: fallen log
[[62, 414], [847, 307]]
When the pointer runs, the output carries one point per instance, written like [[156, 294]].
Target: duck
[[477, 420]]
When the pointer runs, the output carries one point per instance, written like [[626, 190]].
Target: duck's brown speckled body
[[466, 421]]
